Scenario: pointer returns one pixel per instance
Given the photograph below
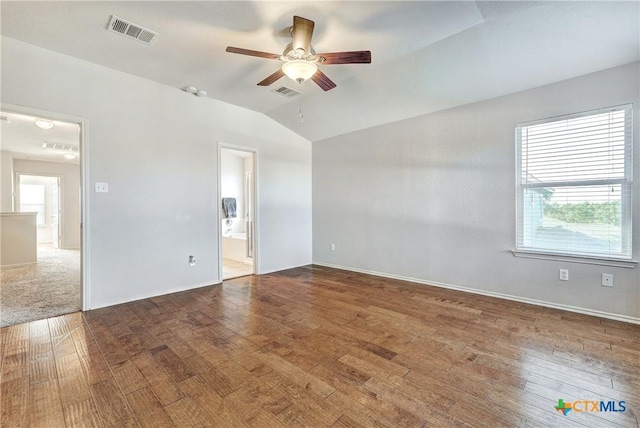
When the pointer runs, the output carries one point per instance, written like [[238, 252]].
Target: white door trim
[[256, 205], [83, 123]]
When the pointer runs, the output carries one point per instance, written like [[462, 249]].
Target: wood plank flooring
[[318, 347]]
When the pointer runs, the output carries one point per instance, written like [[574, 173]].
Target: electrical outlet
[[192, 261], [607, 280], [333, 247], [102, 187], [563, 274]]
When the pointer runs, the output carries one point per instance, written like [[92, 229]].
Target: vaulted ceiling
[[427, 56]]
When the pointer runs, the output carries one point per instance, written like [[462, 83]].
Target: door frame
[[85, 194], [59, 233], [256, 205]]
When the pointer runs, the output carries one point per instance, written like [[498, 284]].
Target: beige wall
[[6, 182]]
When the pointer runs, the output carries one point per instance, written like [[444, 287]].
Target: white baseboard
[[585, 311], [17, 265], [150, 295]]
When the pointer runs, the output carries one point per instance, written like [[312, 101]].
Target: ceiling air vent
[[131, 30], [60, 147], [286, 92]]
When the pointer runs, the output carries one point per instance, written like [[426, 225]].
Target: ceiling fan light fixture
[[299, 70], [301, 60], [44, 124]]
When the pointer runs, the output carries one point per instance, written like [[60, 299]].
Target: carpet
[[48, 288]]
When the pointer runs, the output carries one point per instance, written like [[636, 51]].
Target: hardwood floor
[[318, 347]]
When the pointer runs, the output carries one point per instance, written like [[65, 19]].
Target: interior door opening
[[41, 194], [237, 213], [41, 216]]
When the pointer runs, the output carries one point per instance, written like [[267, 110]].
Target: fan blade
[[323, 81], [356, 57], [302, 32], [249, 52], [269, 80]]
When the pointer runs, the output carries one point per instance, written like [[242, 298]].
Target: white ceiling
[[426, 56], [20, 135]]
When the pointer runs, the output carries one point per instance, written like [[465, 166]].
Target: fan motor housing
[[289, 52]]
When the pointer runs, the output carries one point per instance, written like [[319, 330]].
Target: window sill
[[630, 264]]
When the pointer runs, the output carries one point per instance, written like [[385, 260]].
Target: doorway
[[41, 194], [237, 237], [41, 181]]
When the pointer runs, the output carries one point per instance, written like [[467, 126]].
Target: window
[[32, 200], [574, 184]]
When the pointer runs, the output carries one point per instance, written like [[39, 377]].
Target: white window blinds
[[574, 184]]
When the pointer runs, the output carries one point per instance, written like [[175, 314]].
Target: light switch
[[102, 187]]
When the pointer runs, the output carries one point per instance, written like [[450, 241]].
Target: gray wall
[[157, 146], [433, 198]]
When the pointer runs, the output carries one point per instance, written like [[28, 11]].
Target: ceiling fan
[[300, 59]]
